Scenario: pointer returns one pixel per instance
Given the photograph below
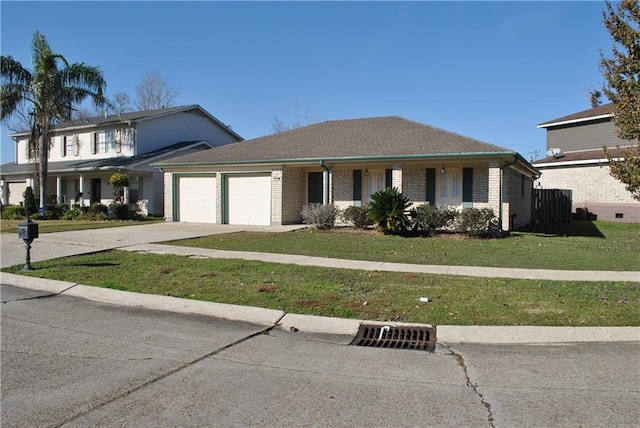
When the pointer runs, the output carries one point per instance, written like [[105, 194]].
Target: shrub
[[30, 206], [428, 218], [319, 215], [387, 210], [120, 211], [98, 208], [357, 216], [12, 212], [478, 223]]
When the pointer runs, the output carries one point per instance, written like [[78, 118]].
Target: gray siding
[[584, 136]]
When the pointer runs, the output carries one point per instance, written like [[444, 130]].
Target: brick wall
[[168, 196], [593, 188], [294, 194]]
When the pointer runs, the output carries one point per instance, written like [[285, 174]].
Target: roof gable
[[135, 116], [598, 112], [346, 139]]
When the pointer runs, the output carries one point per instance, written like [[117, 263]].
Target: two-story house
[[576, 161], [85, 153]]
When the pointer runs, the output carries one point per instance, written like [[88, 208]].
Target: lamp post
[[28, 231]]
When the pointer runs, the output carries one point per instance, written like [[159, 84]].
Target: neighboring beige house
[[268, 180], [575, 160], [85, 153]]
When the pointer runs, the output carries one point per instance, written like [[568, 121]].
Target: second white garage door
[[249, 199], [197, 199]]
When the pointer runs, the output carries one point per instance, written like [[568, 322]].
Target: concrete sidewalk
[[142, 238]]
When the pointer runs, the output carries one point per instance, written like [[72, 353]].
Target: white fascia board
[[573, 163], [567, 122]]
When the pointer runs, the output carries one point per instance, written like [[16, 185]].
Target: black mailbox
[[28, 230]]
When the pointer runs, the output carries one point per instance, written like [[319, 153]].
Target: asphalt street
[[73, 362]]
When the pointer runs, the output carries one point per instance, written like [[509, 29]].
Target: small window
[[619, 215], [69, 146], [105, 142], [135, 189]]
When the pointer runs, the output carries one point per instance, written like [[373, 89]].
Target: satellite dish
[[554, 152]]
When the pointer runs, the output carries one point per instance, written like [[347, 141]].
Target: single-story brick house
[[268, 180]]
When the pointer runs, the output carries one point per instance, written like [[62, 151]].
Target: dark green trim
[[430, 196], [467, 187], [357, 187], [175, 196]]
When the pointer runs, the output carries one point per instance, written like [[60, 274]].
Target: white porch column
[[81, 190], [5, 189], [126, 194], [58, 189]]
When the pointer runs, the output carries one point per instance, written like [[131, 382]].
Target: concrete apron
[[324, 325]]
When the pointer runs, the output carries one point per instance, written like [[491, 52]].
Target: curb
[[324, 325]]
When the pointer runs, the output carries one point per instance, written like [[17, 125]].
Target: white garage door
[[249, 199], [197, 199], [15, 192]]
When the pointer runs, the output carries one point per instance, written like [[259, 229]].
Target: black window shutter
[[467, 187], [357, 187], [431, 186], [388, 182]]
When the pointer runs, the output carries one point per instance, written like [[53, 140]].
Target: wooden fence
[[551, 206]]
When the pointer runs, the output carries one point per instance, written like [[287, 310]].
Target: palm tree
[[50, 91]]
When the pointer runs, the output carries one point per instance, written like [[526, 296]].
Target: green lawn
[[356, 294], [50, 226], [580, 246]]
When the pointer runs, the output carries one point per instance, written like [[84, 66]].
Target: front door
[[450, 193], [315, 188], [96, 188]]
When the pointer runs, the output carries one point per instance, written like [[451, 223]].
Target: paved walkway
[[141, 239]]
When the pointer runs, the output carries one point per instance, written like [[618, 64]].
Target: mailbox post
[[28, 231]]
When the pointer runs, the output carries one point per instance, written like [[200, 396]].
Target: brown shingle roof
[[602, 110], [581, 156], [353, 138]]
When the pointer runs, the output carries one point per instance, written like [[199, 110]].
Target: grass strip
[[383, 296], [51, 226], [579, 246]]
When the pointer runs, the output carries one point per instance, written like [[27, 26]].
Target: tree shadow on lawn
[[575, 228]]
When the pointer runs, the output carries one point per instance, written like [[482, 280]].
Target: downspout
[[325, 195], [502, 168]]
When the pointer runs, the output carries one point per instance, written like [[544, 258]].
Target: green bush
[[120, 211], [98, 208], [478, 223], [357, 216], [12, 212], [387, 211], [30, 206], [319, 215], [429, 218]]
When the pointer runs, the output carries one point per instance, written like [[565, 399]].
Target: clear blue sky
[[487, 70]]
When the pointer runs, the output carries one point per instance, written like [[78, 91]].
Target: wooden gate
[[551, 206]]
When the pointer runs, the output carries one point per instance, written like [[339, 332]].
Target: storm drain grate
[[385, 336]]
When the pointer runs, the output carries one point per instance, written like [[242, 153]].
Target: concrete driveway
[[62, 244]]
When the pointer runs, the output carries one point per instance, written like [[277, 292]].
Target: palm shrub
[[319, 215], [356, 215], [428, 218], [387, 211]]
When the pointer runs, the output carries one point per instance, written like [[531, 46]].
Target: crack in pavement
[[161, 376], [472, 385], [44, 296]]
